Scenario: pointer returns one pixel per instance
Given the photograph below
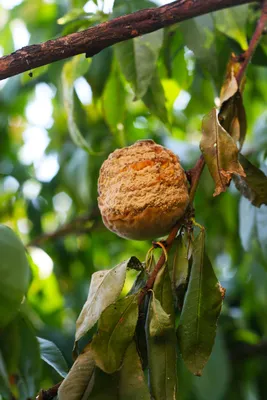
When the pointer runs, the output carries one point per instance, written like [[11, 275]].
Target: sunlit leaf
[[51, 354], [115, 332], [253, 185], [75, 13], [132, 383], [80, 379], [14, 272], [202, 306], [105, 287], [113, 101], [220, 152], [137, 58], [162, 356], [232, 22]]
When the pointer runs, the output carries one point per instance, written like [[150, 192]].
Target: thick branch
[[93, 40]]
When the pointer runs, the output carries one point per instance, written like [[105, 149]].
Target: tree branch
[[92, 41]]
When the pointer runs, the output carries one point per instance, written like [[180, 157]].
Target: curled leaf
[[105, 288], [160, 320], [220, 152], [253, 185]]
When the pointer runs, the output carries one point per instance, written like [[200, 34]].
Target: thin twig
[[76, 226], [247, 56], [92, 41]]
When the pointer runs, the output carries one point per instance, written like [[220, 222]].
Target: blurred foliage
[[159, 86]]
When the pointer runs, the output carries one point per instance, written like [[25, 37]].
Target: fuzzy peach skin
[[142, 190]]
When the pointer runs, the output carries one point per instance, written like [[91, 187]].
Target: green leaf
[[4, 383], [247, 215], [253, 186], [10, 344], [179, 268], [105, 386], [132, 383], [155, 99], [162, 356], [261, 223], [80, 380], [199, 37], [74, 14], [232, 22], [72, 70], [114, 105], [105, 288], [51, 354], [30, 360], [202, 306], [115, 331], [160, 320], [220, 152], [138, 58], [99, 72], [14, 272]]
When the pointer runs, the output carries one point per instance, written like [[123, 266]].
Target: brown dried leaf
[[230, 85], [232, 117], [220, 152], [254, 185]]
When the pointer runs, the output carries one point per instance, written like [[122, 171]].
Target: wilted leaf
[[160, 320], [261, 221], [155, 99], [51, 354], [80, 379], [232, 22], [253, 185], [137, 58], [132, 385], [105, 288], [202, 306], [72, 70], [232, 117], [247, 214], [179, 268], [230, 85], [162, 356], [14, 272], [220, 152], [115, 332]]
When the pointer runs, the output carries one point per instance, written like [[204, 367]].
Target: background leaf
[[14, 271], [202, 306], [51, 354]]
